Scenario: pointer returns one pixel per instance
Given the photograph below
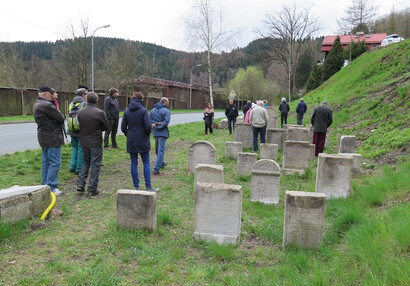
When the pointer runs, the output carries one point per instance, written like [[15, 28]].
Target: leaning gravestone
[[265, 184], [347, 144], [297, 134], [137, 209], [208, 173], [276, 136], [201, 152], [243, 133], [217, 213], [304, 221], [273, 117], [232, 149], [334, 175], [268, 151], [245, 163], [296, 156]]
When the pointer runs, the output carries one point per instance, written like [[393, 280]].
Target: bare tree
[[123, 61], [360, 14], [206, 29], [286, 31]]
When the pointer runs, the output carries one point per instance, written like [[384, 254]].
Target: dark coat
[[231, 111], [284, 107], [246, 108], [160, 114], [92, 123], [301, 107], [322, 118], [136, 125], [49, 123], [208, 119], [111, 107]]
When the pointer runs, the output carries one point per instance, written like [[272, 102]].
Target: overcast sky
[[154, 21]]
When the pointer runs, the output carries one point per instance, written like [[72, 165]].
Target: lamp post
[[92, 55], [190, 86]]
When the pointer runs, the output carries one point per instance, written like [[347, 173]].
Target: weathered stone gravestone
[[357, 160], [297, 134], [137, 209], [269, 151], [245, 163], [296, 156], [286, 126], [309, 127], [304, 219], [223, 124], [276, 136], [273, 117], [312, 151], [265, 184], [217, 213], [232, 149], [207, 173], [334, 175], [201, 152], [327, 138], [243, 133], [347, 144]]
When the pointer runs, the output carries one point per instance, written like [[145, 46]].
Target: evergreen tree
[[355, 50], [303, 68], [334, 60], [315, 78]]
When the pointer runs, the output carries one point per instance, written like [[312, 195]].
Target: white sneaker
[[57, 192]]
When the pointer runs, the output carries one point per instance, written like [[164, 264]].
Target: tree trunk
[[210, 78], [23, 111]]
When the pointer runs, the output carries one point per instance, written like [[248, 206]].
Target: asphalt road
[[23, 136]]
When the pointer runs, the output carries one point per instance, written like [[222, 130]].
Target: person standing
[[259, 119], [136, 126], [112, 111], [92, 122], [49, 122], [284, 109], [208, 117], [300, 111], [231, 112], [78, 103], [160, 118], [247, 106], [322, 118]]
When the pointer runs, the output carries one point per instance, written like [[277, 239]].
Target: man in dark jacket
[[247, 106], [284, 109], [160, 118], [231, 112], [136, 126], [112, 111], [50, 137], [92, 123], [322, 118], [300, 111]]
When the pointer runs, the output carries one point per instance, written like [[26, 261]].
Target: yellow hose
[[53, 202]]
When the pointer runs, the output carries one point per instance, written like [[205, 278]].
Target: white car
[[394, 38]]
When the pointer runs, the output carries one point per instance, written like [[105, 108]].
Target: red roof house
[[371, 40]]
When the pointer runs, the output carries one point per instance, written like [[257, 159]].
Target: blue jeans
[[256, 131], [76, 154], [134, 169], [92, 158], [233, 120], [50, 165], [160, 145]]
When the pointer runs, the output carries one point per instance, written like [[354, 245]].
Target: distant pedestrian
[[259, 119], [49, 122], [247, 106], [92, 122], [231, 112], [112, 111], [160, 118], [265, 103], [208, 117], [136, 126], [322, 118], [301, 108], [284, 109]]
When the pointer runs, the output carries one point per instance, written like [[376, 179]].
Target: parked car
[[394, 38]]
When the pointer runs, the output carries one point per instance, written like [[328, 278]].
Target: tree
[[334, 60], [315, 78], [286, 31], [359, 13], [355, 50], [303, 67], [249, 84], [206, 29]]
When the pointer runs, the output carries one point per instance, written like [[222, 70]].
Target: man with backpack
[[78, 102]]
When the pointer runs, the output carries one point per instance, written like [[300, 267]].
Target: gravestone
[[273, 117], [243, 133], [334, 175], [297, 134], [276, 136], [309, 127], [327, 138], [223, 124], [245, 163], [268, 151], [357, 160], [137, 209], [201, 152], [312, 151], [217, 213], [286, 126], [232, 149], [347, 144], [304, 221], [265, 183], [207, 173], [296, 156]]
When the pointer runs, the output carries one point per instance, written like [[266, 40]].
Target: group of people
[[301, 109], [86, 126]]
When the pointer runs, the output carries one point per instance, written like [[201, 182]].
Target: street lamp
[[190, 86], [92, 55]]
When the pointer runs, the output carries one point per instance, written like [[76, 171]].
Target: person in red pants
[[322, 118]]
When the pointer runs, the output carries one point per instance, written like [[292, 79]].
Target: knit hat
[[80, 91]]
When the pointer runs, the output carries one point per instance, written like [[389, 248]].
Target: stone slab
[[357, 160], [232, 149], [19, 190], [276, 136], [39, 201], [296, 155], [243, 133], [200, 152], [208, 173], [265, 183], [347, 144], [245, 163], [15, 208], [269, 151], [297, 134]]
